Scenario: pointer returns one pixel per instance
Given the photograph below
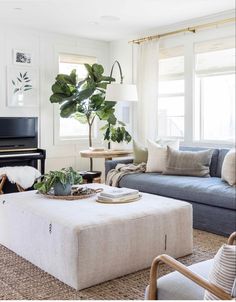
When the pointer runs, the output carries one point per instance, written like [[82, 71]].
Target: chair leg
[[20, 189], [2, 182]]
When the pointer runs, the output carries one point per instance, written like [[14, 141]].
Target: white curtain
[[147, 85]]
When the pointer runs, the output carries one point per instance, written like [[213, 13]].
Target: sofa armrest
[[153, 285], [111, 164]]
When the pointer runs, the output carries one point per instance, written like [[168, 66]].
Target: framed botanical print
[[22, 87]]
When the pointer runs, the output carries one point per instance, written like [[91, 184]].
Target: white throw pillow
[[157, 155], [223, 271], [228, 172]]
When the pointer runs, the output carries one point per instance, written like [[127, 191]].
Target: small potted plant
[[61, 181]]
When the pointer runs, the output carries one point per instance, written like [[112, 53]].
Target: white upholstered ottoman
[[83, 243]]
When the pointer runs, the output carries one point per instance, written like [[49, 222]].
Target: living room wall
[[45, 48]]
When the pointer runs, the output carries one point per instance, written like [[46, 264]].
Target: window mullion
[[189, 66]]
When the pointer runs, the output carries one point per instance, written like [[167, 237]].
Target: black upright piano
[[19, 145]]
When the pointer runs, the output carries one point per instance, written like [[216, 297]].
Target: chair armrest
[[111, 164], [153, 287], [231, 239]]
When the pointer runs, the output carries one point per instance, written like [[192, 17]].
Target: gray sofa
[[213, 200]]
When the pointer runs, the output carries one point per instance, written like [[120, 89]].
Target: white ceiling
[[83, 17]]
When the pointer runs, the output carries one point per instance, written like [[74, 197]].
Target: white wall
[[45, 48]]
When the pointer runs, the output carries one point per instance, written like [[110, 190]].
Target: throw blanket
[[115, 175], [24, 176]]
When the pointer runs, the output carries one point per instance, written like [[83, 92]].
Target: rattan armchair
[[152, 291]]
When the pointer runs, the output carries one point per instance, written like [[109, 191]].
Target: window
[[215, 90], [171, 93], [69, 127]]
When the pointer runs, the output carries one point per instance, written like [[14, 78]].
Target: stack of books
[[118, 195]]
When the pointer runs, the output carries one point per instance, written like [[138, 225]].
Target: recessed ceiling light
[[110, 18], [18, 8]]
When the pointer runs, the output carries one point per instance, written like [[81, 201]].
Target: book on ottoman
[[118, 195]]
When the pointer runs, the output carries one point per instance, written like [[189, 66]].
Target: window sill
[[211, 144], [76, 141]]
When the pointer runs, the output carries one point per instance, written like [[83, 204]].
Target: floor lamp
[[120, 92]]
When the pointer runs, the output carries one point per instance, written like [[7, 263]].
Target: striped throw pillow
[[223, 272]]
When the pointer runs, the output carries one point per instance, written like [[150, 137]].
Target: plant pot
[[119, 146], [62, 190]]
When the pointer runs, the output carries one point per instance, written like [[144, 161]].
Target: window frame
[[75, 140], [189, 40], [172, 77], [201, 104], [170, 95]]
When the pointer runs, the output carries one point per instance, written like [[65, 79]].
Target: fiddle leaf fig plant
[[85, 100]]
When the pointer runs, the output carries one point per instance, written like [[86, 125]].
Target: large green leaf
[[107, 79], [81, 83], [60, 98], [96, 101], [112, 119], [64, 79], [104, 113], [81, 117], [60, 87], [73, 77], [85, 94], [102, 85], [68, 108], [107, 135], [109, 104], [97, 69], [127, 137], [90, 70]]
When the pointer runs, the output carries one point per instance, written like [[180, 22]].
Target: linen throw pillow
[[228, 172], [188, 163], [223, 272], [157, 155], [140, 153]]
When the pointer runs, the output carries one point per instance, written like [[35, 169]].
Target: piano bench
[[3, 181]]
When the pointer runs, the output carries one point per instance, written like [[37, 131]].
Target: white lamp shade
[[121, 92]]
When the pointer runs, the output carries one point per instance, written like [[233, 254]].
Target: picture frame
[[22, 57], [22, 87]]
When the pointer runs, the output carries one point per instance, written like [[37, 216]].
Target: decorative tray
[[76, 194]]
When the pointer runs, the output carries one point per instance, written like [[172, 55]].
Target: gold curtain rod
[[192, 29]]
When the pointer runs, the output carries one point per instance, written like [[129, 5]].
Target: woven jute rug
[[20, 279]]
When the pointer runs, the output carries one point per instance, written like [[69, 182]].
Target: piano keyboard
[[18, 154]]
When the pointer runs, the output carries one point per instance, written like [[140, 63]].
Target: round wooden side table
[[106, 154]]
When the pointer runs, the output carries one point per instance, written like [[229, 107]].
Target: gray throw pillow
[[188, 163]]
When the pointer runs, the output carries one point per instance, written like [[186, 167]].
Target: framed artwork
[[21, 57], [22, 87]]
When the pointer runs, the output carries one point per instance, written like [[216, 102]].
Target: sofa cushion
[[221, 156], [214, 158], [211, 191], [175, 286], [140, 153], [189, 163], [157, 155], [228, 172], [223, 271]]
